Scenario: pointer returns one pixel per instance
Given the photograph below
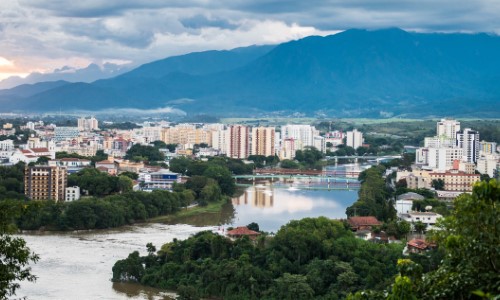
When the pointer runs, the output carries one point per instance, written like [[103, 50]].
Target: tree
[[253, 226], [15, 256], [438, 184], [470, 238], [420, 227], [125, 184]]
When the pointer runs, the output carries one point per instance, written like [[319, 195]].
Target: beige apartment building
[[186, 135], [45, 183], [263, 141]]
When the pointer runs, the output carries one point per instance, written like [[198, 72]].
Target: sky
[[43, 35]]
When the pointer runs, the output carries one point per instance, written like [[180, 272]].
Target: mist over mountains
[[356, 73]]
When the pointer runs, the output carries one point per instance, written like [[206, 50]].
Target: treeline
[[466, 264], [374, 196], [309, 158], [314, 258], [93, 213], [12, 182]]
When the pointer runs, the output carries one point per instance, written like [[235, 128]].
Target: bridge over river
[[300, 181]]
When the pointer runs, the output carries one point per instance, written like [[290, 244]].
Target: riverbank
[[211, 208]]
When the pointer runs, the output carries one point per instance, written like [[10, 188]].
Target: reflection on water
[[272, 207]]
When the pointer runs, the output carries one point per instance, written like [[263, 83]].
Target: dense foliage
[[307, 259], [12, 182], [91, 213], [373, 197], [466, 263], [144, 153], [15, 256]]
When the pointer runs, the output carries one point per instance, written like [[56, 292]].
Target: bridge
[[281, 173], [301, 181], [356, 157]]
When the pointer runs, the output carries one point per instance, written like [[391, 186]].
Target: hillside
[[379, 73]]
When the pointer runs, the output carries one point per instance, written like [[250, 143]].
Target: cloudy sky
[[42, 35]]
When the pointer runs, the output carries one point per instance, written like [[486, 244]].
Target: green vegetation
[[12, 182], [466, 263], [93, 213], [261, 161], [99, 156], [121, 126], [144, 153], [15, 256], [311, 258], [374, 196]]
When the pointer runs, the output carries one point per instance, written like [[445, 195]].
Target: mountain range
[[355, 73]]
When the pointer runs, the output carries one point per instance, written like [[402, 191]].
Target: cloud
[[133, 111], [42, 35]]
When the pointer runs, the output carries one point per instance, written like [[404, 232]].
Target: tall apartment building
[[468, 140], [354, 139], [238, 141], [187, 135], [220, 140], [447, 128], [487, 147], [88, 124], [443, 158], [45, 183], [263, 142], [303, 135]]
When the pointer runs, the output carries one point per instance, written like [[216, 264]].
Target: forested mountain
[[379, 73]]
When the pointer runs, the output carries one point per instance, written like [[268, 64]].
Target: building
[[354, 139], [287, 149], [455, 180], [109, 166], [242, 231], [488, 164], [418, 246], [72, 165], [443, 158], [468, 140], [45, 183], [447, 128], [263, 141], [65, 133], [363, 223], [160, 180], [428, 218], [72, 193], [487, 147], [88, 124], [303, 135], [319, 143], [238, 142]]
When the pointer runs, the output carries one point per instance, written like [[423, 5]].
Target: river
[[77, 265]]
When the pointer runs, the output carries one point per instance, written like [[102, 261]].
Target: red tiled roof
[[364, 221], [418, 243], [239, 231], [40, 149], [73, 159], [26, 151]]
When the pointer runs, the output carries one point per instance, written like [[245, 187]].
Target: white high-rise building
[[488, 164], [320, 143], [447, 128], [354, 139], [468, 140], [303, 135], [88, 124], [220, 140], [263, 141], [442, 158]]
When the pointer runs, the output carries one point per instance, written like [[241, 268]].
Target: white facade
[[88, 124], [488, 164], [320, 143], [428, 218], [354, 139], [442, 158], [303, 135], [220, 140], [487, 147], [72, 193], [468, 140], [403, 206], [447, 128]]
